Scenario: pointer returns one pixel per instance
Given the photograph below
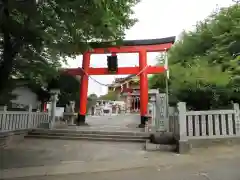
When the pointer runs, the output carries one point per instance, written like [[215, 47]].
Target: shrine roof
[[120, 80]]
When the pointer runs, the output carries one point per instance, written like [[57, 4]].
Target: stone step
[[113, 136], [99, 132], [86, 138]]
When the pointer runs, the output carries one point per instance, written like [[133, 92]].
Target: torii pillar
[[143, 86], [84, 89]]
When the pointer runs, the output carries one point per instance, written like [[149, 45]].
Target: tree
[[92, 99], [69, 89], [214, 40], [112, 96], [203, 69], [7, 95], [36, 38], [200, 85]]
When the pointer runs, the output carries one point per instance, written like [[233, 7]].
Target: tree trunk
[[7, 56], [10, 49], [6, 65]]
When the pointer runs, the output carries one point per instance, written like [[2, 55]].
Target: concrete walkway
[[39, 152], [122, 162], [47, 152], [227, 169], [122, 122], [128, 122], [65, 159]]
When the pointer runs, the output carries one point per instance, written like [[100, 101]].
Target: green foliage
[[214, 40], [69, 89], [92, 99], [36, 38], [111, 95], [203, 69]]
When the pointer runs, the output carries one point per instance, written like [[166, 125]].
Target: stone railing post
[[53, 109], [182, 121], [3, 122], [54, 99], [237, 118], [30, 119], [183, 145]]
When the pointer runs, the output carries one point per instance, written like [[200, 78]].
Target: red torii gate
[[130, 46]]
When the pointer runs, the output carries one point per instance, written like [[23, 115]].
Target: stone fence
[[204, 127], [21, 120], [14, 125]]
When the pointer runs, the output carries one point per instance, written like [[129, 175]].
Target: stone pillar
[[3, 124], [30, 122], [183, 145], [182, 121], [72, 110], [54, 98], [72, 119], [110, 111], [3, 108], [237, 118], [117, 110], [128, 103]]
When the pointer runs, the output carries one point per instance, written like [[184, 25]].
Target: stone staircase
[[94, 135], [151, 142]]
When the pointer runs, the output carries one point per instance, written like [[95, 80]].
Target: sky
[[156, 19]]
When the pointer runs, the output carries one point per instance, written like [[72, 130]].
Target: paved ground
[[219, 163], [35, 152], [128, 122], [118, 121], [214, 170], [38, 152], [110, 160], [48, 157]]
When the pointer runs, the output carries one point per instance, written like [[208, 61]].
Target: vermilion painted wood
[[137, 46], [73, 71], [84, 85], [121, 71], [143, 84], [132, 49]]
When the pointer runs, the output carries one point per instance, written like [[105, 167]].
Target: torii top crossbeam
[[134, 46], [130, 46]]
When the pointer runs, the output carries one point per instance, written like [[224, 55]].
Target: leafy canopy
[[204, 71], [111, 96], [36, 38]]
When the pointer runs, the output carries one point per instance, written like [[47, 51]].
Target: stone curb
[[89, 131]]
